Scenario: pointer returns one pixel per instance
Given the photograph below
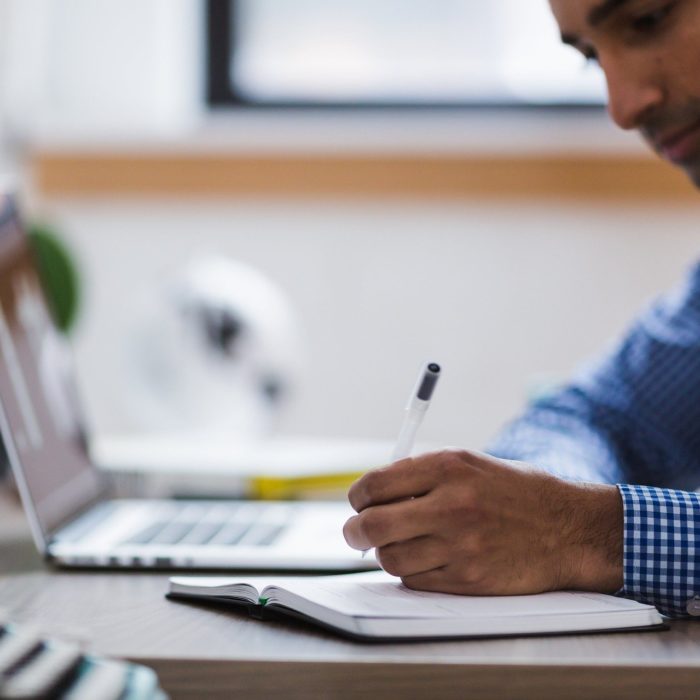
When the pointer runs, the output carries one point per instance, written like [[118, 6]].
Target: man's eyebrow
[[602, 12]]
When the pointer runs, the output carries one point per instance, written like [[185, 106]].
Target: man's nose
[[632, 96]]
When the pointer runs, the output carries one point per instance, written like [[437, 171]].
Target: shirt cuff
[[661, 547]]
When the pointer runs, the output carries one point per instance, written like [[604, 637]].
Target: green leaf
[[58, 274]]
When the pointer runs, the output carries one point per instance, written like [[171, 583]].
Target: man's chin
[[691, 167], [693, 172]]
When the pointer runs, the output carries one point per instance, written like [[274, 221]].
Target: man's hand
[[463, 522]]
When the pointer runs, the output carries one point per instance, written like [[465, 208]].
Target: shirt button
[[693, 606]]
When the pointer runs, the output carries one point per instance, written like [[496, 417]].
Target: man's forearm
[[595, 538]]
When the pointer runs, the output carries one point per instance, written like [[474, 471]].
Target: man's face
[[649, 51]]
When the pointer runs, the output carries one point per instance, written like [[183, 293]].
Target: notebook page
[[217, 586], [377, 594], [257, 582]]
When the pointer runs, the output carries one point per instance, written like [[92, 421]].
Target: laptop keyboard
[[214, 525]]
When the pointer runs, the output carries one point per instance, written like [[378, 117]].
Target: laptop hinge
[[75, 516]]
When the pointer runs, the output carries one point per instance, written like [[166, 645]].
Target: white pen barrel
[[407, 436], [418, 404]]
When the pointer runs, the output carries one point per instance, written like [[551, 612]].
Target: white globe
[[220, 353]]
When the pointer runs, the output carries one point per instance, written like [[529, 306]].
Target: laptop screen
[[41, 427]]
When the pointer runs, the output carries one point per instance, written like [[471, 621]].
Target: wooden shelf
[[183, 174]]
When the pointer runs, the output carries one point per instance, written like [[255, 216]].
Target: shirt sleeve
[[662, 547], [633, 417]]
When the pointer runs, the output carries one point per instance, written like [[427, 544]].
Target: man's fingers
[[436, 580], [413, 557], [407, 478], [377, 526]]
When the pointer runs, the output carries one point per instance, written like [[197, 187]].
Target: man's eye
[[649, 22], [591, 57]]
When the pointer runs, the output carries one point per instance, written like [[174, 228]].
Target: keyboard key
[[202, 533], [173, 533], [230, 534], [147, 534], [16, 647], [40, 675], [268, 534], [106, 680], [215, 524]]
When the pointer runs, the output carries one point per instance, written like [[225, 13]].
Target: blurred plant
[[58, 273], [61, 284]]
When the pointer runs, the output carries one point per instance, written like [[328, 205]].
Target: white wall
[[499, 294], [99, 66]]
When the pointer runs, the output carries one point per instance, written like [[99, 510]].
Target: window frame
[[220, 45]]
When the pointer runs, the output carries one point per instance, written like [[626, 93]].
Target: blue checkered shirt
[[633, 417]]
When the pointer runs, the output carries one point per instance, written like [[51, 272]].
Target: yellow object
[[272, 488]]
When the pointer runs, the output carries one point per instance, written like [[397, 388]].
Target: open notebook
[[378, 606]]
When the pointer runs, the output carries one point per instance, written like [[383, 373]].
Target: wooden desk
[[206, 653]]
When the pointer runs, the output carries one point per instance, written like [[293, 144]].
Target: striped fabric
[[633, 417]]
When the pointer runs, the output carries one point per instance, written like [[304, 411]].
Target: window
[[392, 53]]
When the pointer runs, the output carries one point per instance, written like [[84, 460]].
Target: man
[[463, 522]]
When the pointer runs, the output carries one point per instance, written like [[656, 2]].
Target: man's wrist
[[594, 538]]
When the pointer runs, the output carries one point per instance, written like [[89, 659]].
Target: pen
[[418, 403]]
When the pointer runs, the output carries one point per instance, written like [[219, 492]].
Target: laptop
[[74, 519]]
